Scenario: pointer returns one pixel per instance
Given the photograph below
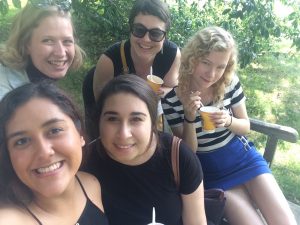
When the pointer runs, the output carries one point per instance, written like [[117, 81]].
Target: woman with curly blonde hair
[[41, 45], [199, 46], [207, 78]]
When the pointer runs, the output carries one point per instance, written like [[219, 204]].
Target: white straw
[[153, 216], [150, 70]]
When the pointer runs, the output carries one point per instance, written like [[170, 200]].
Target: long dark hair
[[131, 84], [12, 188]]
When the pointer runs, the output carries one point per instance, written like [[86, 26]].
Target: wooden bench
[[274, 133]]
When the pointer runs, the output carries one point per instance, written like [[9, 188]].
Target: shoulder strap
[[175, 159], [82, 188], [123, 58], [32, 214]]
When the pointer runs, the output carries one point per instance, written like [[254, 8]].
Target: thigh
[[239, 209], [268, 197]]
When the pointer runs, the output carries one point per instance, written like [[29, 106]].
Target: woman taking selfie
[[40, 153]]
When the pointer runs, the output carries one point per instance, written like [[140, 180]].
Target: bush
[[252, 22]]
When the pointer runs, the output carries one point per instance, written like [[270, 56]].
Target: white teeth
[[146, 47], [50, 168], [57, 63], [124, 146]]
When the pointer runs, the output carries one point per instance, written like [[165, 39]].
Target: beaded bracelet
[[188, 121], [230, 122]]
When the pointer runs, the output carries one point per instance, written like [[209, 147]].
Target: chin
[[57, 76]]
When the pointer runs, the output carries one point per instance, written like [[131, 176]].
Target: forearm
[[238, 126], [189, 135], [193, 212], [165, 90]]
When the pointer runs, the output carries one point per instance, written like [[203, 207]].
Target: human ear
[[82, 140]]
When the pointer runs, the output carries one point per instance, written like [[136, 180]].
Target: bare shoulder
[[14, 215], [92, 187], [104, 72], [171, 77], [89, 181]]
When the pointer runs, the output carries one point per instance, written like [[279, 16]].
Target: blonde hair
[[200, 45], [14, 54]]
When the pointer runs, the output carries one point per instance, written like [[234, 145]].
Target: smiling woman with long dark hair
[[41, 140]]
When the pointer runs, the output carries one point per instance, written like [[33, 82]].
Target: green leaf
[[226, 11], [17, 3], [3, 7]]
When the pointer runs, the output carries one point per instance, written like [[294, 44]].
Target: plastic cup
[[208, 125], [155, 82]]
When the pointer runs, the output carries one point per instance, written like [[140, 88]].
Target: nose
[[44, 148], [211, 72], [59, 49], [124, 131], [147, 37]]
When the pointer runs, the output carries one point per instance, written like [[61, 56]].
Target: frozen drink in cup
[[208, 125], [155, 82]]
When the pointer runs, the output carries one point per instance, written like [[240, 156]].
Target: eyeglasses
[[138, 30], [64, 5]]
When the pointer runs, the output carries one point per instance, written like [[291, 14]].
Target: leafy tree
[[101, 23], [253, 23], [4, 7]]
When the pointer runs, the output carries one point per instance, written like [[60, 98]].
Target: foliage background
[[252, 22]]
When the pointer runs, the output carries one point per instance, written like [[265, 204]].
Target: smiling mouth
[[144, 47], [58, 62], [50, 168], [124, 146]]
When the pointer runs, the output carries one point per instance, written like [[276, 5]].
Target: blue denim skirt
[[232, 165]]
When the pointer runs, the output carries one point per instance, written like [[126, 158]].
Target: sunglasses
[[64, 5], [138, 30]]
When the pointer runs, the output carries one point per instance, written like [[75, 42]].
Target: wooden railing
[[274, 133]]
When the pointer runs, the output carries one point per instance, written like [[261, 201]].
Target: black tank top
[[161, 64], [91, 214]]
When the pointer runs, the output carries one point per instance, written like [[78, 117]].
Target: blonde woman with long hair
[[207, 78]]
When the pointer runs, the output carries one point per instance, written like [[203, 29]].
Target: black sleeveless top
[[91, 214], [161, 64]]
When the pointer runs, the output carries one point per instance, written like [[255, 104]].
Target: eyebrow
[[206, 59], [47, 123], [132, 114], [55, 37]]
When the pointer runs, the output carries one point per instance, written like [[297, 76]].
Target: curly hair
[[14, 54], [200, 45]]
